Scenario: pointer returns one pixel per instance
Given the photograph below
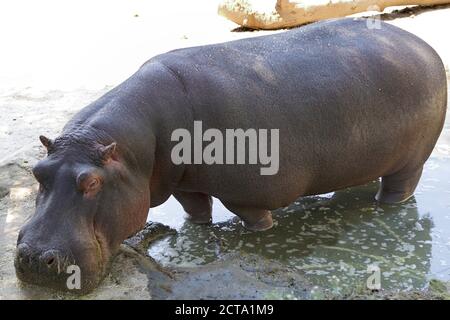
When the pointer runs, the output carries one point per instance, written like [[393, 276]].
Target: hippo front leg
[[253, 219], [197, 205]]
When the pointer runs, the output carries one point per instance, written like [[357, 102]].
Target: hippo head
[[88, 202]]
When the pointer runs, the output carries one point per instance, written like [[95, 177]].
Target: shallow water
[[334, 238]]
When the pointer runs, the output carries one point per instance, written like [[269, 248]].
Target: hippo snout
[[41, 266], [61, 260]]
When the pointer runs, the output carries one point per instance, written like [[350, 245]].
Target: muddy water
[[332, 239]]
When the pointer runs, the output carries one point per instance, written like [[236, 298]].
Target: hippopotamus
[[352, 104]]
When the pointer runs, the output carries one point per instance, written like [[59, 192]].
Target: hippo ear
[[109, 152], [46, 142]]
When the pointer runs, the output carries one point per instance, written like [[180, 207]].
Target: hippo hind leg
[[400, 186], [253, 219], [197, 205]]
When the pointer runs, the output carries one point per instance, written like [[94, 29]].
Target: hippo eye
[[94, 183], [89, 183]]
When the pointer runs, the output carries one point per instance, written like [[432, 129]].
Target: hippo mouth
[[30, 269], [101, 251], [56, 271]]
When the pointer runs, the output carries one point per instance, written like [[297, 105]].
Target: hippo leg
[[197, 205], [252, 219], [399, 187]]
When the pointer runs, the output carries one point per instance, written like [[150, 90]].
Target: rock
[[278, 14], [238, 276], [150, 233]]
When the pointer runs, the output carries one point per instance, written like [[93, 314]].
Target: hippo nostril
[[23, 257], [23, 251], [49, 258]]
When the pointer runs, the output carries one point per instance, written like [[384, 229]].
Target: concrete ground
[[56, 57]]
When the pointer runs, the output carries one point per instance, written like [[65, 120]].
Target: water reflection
[[331, 238]]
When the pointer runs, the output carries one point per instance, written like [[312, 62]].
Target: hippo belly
[[352, 104]]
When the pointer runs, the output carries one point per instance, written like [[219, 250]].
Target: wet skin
[[352, 105]]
